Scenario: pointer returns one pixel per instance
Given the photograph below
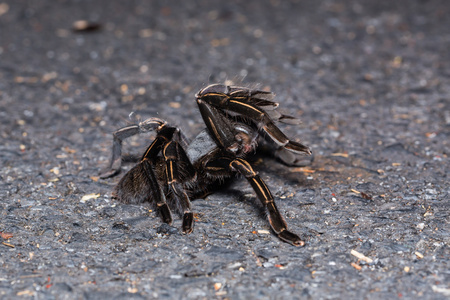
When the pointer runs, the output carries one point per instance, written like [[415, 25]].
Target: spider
[[172, 172]]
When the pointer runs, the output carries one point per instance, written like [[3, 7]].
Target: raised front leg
[[219, 126], [244, 103]]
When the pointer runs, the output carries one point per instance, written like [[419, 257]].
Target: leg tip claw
[[291, 238], [188, 223]]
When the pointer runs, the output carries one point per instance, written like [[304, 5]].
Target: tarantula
[[172, 172]]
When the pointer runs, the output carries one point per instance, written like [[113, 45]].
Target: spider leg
[[116, 159], [244, 107], [122, 134], [262, 99], [217, 123], [293, 159], [283, 155], [161, 204], [179, 169], [276, 221], [139, 185]]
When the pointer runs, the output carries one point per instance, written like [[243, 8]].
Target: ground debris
[[363, 195], [6, 235], [361, 256], [89, 197], [85, 26], [356, 266], [8, 244]]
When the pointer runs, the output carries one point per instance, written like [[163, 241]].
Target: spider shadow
[[230, 190]]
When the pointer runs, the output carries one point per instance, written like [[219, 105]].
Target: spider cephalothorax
[[173, 172]]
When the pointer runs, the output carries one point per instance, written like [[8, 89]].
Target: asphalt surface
[[369, 79]]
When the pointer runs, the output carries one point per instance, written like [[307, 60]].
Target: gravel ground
[[369, 79]]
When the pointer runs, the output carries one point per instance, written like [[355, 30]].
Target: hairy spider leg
[[161, 204], [122, 134], [241, 166], [263, 101], [260, 98], [247, 109], [140, 184], [175, 157], [217, 123]]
